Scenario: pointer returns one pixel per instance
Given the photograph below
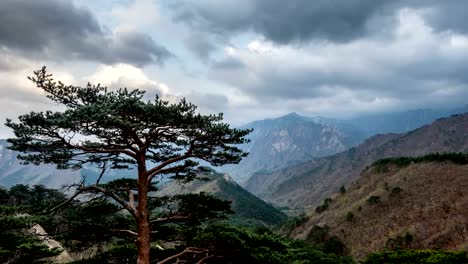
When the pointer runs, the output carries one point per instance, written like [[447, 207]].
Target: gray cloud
[[445, 15], [413, 66], [339, 21], [209, 102], [283, 21], [59, 30], [201, 44]]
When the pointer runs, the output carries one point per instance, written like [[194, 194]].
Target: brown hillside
[[305, 185], [432, 206]]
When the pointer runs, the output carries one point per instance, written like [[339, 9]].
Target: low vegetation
[[191, 228], [457, 158], [414, 203], [324, 206], [417, 257]]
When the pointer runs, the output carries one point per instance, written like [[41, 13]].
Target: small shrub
[[342, 190], [320, 237], [396, 190], [399, 242], [350, 217], [321, 208], [373, 200], [386, 187]]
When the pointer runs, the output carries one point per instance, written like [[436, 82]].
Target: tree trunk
[[143, 242], [144, 231]]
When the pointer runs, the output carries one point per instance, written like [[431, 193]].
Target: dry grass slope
[[428, 200]]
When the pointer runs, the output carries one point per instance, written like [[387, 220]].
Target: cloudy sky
[[250, 59]]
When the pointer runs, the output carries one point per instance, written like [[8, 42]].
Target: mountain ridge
[[246, 205], [310, 182]]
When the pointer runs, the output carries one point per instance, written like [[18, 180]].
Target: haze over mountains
[[310, 182], [289, 140], [292, 139]]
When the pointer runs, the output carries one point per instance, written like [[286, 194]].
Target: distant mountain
[[310, 182], [292, 139], [421, 205], [289, 140], [400, 122], [13, 172], [248, 207]]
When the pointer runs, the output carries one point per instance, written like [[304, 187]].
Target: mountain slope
[[244, 204], [310, 182], [289, 140], [13, 172], [421, 205]]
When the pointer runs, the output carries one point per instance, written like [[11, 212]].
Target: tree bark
[[144, 231]]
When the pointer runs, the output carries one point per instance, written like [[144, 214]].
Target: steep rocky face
[[246, 205], [421, 206], [289, 140], [63, 257], [308, 183]]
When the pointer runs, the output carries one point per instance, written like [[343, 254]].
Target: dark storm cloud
[[303, 20], [59, 30], [284, 21]]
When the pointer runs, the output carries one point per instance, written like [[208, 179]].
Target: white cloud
[[125, 75], [137, 15]]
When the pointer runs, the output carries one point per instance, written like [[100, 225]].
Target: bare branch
[[62, 204], [111, 194], [175, 218], [189, 250], [103, 170], [206, 258], [128, 232]]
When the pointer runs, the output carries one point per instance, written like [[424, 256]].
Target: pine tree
[[119, 129]]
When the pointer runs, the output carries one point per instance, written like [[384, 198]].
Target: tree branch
[[103, 170], [154, 171], [206, 258], [189, 250], [95, 150], [114, 196], [128, 232], [176, 218], [62, 204]]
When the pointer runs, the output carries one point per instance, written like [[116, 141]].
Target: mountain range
[[292, 139], [289, 140], [306, 184], [296, 161]]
